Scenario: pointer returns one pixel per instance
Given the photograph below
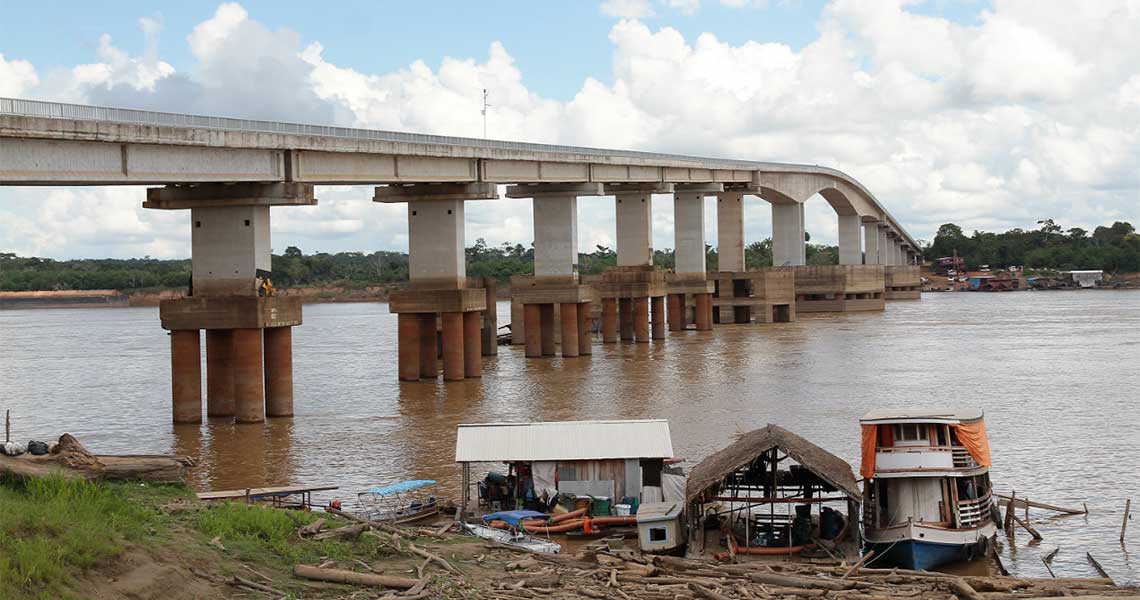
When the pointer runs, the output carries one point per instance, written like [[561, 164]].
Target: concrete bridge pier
[[871, 243], [248, 375], [850, 240], [554, 293], [439, 294], [689, 278], [630, 290], [788, 247]]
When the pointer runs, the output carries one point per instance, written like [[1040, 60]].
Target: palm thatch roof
[[825, 465]]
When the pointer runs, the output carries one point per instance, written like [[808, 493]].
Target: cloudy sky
[[989, 114]]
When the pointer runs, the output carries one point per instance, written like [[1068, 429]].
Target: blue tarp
[[512, 517], [403, 486]]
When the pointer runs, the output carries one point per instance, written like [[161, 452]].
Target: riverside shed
[[604, 459], [751, 485]]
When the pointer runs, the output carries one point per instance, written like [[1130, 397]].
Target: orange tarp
[[973, 437], [870, 437]]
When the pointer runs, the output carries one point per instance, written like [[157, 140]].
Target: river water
[[1057, 373]]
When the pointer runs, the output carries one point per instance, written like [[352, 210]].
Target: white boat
[[927, 496], [401, 502], [511, 538]]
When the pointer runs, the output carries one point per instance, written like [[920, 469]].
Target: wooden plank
[[258, 492]]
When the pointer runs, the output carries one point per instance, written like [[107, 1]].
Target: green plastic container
[[601, 507]]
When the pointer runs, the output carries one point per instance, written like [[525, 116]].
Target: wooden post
[[1124, 525], [1008, 524], [7, 426]]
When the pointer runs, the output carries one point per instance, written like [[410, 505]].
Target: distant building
[[1087, 279], [949, 263]]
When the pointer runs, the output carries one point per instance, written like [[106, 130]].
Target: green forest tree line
[[1113, 248]]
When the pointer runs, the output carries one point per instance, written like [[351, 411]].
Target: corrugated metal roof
[[563, 440], [921, 414]]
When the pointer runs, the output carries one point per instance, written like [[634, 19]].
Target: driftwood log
[[71, 460], [342, 576]]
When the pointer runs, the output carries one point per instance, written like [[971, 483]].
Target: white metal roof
[[563, 440], [922, 414]]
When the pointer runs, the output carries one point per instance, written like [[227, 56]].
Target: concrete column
[[186, 375], [472, 345], [532, 314], [230, 244], [219, 373], [429, 348], [625, 318], [641, 319], [676, 312], [568, 316], [689, 233], [788, 235], [850, 240], [490, 331], [871, 243], [584, 329], [546, 325], [730, 231], [884, 247], [555, 235], [609, 320], [634, 229], [452, 327], [278, 371], [657, 317], [436, 252], [249, 376], [408, 346], [703, 316]]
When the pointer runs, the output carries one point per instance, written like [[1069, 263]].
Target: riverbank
[[81, 539], [152, 297]]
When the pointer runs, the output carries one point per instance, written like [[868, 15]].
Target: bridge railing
[[59, 110]]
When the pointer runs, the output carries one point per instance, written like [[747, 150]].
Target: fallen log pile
[[507, 573], [71, 460]]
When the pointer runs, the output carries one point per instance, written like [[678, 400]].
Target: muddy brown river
[[1057, 373]]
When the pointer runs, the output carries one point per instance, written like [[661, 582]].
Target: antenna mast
[[485, 105]]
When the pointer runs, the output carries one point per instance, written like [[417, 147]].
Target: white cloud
[[627, 9], [685, 7], [1031, 112], [16, 77]]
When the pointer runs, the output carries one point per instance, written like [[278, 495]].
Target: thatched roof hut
[[827, 466]]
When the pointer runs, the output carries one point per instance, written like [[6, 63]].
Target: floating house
[[772, 492], [1087, 279], [605, 460]]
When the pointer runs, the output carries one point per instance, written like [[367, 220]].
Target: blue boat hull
[[921, 555]]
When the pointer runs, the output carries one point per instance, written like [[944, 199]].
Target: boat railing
[[973, 512], [962, 458]]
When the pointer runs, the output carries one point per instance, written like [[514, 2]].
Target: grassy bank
[[77, 539]]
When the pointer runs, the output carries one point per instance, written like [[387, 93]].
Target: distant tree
[[293, 252]]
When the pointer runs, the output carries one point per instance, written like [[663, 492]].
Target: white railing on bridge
[[59, 110]]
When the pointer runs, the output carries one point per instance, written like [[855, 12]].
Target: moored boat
[[513, 538], [401, 502], [927, 495]]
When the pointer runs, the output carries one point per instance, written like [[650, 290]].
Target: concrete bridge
[[229, 172]]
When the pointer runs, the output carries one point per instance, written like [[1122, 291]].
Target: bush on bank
[[54, 533]]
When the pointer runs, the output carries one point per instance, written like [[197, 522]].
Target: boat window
[[910, 432], [658, 534], [941, 429]]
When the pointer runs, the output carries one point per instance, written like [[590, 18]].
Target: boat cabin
[[773, 493], [608, 461], [927, 484]]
